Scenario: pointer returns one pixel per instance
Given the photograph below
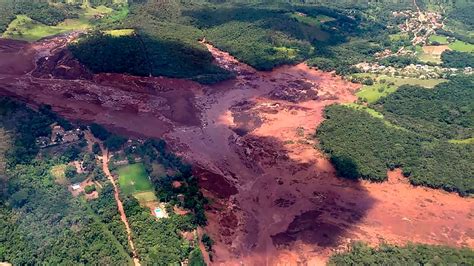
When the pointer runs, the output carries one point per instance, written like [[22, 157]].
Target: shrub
[[89, 189]]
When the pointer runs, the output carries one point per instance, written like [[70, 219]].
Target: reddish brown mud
[[147, 106], [276, 199]]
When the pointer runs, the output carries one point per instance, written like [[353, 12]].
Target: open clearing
[[134, 179], [24, 28], [58, 172], [432, 53], [146, 196], [439, 39], [383, 87], [461, 46]]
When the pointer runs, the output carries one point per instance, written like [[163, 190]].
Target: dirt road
[[276, 199], [105, 167]]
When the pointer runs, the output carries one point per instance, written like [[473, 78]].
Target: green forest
[[411, 254], [415, 133], [42, 223], [262, 35], [457, 59]]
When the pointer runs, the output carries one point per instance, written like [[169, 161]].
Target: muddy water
[[276, 199]]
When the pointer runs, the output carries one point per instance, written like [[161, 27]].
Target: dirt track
[[105, 158], [276, 198]]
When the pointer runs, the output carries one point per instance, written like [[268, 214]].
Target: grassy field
[[398, 36], [133, 179], [119, 33], [461, 46], [58, 172], [310, 20], [380, 89], [146, 196], [462, 141], [24, 28], [439, 39]]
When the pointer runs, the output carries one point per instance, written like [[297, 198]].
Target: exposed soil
[[435, 49], [276, 199], [148, 106]]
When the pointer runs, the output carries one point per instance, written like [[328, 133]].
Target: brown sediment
[[150, 106], [276, 199]]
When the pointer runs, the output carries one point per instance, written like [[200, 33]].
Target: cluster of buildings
[[60, 136], [413, 71], [421, 24]]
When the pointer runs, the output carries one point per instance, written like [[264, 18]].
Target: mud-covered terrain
[[276, 199]]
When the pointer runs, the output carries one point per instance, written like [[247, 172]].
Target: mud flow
[[275, 198]]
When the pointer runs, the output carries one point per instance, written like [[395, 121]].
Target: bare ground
[[276, 199]]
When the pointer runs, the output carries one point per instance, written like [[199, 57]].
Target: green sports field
[[133, 179]]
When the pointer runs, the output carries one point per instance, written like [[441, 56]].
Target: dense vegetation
[[444, 112], [413, 135], [144, 55], [40, 221], [457, 59], [361, 254], [158, 242], [39, 11], [263, 35]]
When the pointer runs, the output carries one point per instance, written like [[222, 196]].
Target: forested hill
[[428, 133]]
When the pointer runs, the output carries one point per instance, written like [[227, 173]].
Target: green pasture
[[462, 46], [380, 89], [133, 179], [438, 38], [24, 28]]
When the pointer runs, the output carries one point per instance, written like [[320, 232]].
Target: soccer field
[[134, 179]]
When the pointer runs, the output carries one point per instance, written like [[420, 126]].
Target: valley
[[276, 199], [236, 132]]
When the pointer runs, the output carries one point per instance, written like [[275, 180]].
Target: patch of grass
[[439, 39], [310, 20], [373, 113], [24, 28], [120, 33], [462, 141], [431, 53], [58, 172], [398, 37], [134, 179], [374, 92], [145, 196], [462, 46]]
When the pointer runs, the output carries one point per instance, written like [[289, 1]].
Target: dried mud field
[[276, 200]]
